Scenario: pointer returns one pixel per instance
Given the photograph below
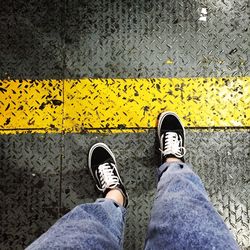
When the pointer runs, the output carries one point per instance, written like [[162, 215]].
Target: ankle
[[115, 195], [173, 159]]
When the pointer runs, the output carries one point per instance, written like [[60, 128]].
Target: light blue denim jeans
[[182, 218]]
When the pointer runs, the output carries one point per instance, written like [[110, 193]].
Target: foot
[[171, 135], [102, 166]]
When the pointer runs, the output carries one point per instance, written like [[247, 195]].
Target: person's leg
[[96, 225], [182, 216]]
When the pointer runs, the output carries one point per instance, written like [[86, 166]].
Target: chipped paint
[[87, 105], [31, 104]]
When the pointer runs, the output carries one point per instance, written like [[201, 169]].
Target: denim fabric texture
[[182, 218], [98, 225]]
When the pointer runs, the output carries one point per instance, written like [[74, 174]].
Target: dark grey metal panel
[[31, 39], [220, 158], [29, 187], [156, 38]]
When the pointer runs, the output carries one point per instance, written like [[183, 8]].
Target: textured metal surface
[[31, 39], [29, 187], [78, 105], [48, 39], [156, 38], [117, 39]]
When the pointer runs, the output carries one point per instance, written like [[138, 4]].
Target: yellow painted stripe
[[88, 104], [29, 104]]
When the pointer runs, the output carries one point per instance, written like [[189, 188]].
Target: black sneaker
[[171, 136], [102, 166]]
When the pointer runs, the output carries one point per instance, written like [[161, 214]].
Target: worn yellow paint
[[130, 103], [87, 105], [31, 104], [169, 61]]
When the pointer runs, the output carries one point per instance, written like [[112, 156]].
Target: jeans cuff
[[123, 209], [164, 167]]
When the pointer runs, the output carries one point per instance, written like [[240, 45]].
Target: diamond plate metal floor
[[41, 175], [29, 187], [123, 39], [157, 38]]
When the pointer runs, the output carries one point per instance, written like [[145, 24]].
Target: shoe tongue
[[170, 133]]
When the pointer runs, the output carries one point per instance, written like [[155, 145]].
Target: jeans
[[182, 217]]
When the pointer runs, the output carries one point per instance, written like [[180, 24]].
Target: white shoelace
[[107, 177], [172, 144]]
